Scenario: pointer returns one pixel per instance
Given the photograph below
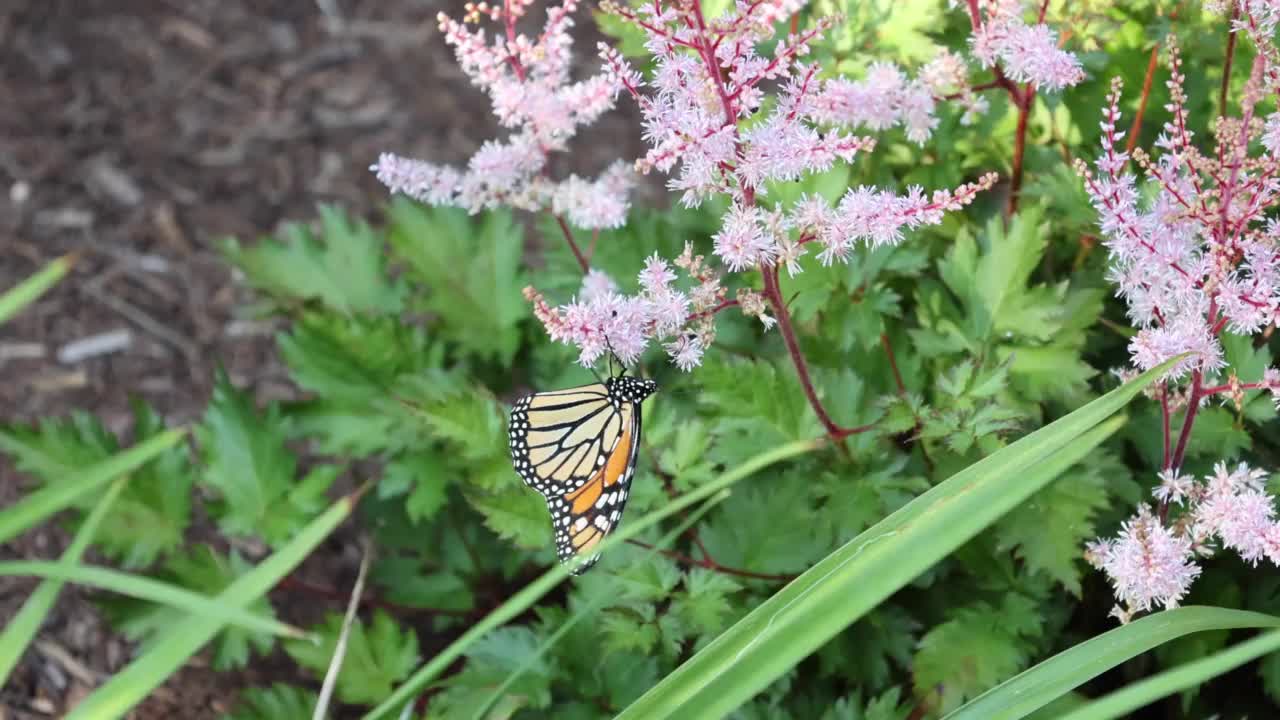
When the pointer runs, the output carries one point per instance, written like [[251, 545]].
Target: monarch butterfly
[[578, 447]]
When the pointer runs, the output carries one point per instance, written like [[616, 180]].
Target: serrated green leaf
[[379, 654], [978, 647], [470, 269], [343, 266], [1067, 507], [247, 464], [277, 702]]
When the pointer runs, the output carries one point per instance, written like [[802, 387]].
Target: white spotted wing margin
[[578, 448]]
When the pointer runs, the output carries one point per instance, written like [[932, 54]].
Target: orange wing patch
[[595, 508], [616, 468]]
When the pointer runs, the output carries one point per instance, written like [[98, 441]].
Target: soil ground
[[138, 132]]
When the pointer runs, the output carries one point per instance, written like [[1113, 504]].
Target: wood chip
[[21, 351], [104, 178], [105, 343], [55, 382]]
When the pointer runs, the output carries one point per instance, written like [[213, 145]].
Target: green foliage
[[246, 463], [378, 655], [277, 702], [980, 645], [471, 272], [342, 266]]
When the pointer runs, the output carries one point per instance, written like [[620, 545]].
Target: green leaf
[[1122, 702], [858, 576], [490, 661], [343, 266], [247, 464], [748, 530], [1067, 506], [974, 650], [379, 655], [1035, 688], [426, 477], [208, 573], [278, 702], [470, 266]]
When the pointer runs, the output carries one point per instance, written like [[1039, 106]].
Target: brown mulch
[[138, 132]]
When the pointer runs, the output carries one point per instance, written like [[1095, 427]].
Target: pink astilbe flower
[[1151, 563], [1148, 564], [530, 91], [709, 125], [1027, 53], [602, 320], [1200, 258]]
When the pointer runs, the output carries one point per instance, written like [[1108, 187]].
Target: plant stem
[[1226, 64], [568, 236], [1164, 415], [1193, 406], [774, 295], [1023, 102], [1136, 128], [893, 363], [710, 564]]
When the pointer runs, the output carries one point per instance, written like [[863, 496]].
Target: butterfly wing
[[578, 448]]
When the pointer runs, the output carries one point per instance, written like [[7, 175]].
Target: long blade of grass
[[43, 503], [1044, 683], [531, 593], [13, 300], [590, 608], [1121, 702], [152, 590], [855, 578], [19, 631], [176, 645]]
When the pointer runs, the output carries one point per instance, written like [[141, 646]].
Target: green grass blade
[[19, 631], [1042, 684], [1121, 702], [26, 292], [172, 649], [531, 593], [858, 576], [43, 503], [152, 590]]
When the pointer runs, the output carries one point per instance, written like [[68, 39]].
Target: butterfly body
[[578, 448]]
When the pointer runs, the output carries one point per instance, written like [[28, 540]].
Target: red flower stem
[[1023, 102], [568, 235], [774, 295], [1164, 416], [1226, 64], [714, 566], [893, 363], [1216, 389], [1193, 406], [1136, 127]]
